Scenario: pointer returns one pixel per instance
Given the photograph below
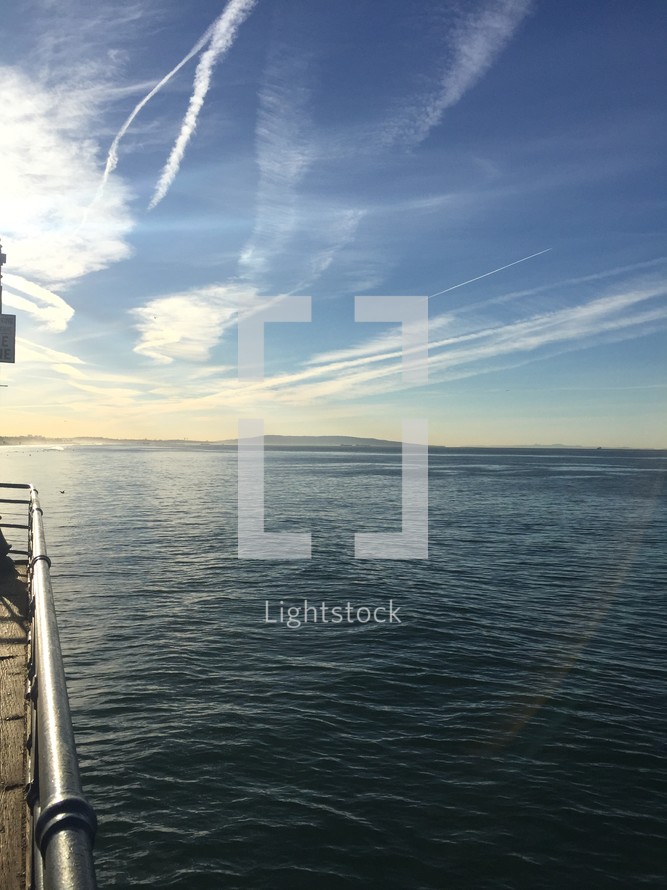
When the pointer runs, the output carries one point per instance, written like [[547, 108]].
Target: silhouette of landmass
[[269, 441], [277, 441]]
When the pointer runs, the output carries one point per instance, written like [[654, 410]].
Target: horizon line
[[231, 442]]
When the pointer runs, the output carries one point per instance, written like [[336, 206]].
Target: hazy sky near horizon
[[167, 168]]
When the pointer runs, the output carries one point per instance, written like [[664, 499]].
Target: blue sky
[[356, 147]]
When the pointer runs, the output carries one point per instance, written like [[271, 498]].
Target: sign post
[[3, 260], [7, 326], [7, 338]]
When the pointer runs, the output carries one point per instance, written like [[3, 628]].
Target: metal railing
[[63, 822]]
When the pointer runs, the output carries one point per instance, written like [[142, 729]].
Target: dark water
[[510, 732]]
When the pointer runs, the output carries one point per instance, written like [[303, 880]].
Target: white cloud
[[48, 177], [188, 325]]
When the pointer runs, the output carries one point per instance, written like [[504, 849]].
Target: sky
[[168, 169]]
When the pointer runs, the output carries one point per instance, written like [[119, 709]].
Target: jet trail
[[223, 33], [492, 272], [112, 157]]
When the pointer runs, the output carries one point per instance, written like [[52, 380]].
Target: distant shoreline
[[294, 443]]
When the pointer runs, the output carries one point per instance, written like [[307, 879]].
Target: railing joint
[[71, 812]]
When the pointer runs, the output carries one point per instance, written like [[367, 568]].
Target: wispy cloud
[[48, 308], [391, 340], [223, 33], [96, 375], [331, 380], [107, 396], [29, 351], [187, 326], [581, 326], [571, 282], [375, 366], [284, 155], [57, 374], [289, 222], [290, 149], [472, 46]]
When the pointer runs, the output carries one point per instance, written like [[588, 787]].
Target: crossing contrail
[[112, 156], [222, 37], [492, 272]]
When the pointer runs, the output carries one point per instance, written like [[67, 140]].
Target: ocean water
[[509, 732]]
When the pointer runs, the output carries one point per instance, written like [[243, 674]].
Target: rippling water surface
[[509, 732]]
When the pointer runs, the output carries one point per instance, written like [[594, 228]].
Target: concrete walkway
[[13, 717]]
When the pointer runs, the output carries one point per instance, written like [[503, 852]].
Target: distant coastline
[[276, 442]]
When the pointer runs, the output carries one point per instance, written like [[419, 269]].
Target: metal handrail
[[64, 823]]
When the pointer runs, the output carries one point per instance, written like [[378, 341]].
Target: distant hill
[[269, 441], [272, 441], [323, 442]]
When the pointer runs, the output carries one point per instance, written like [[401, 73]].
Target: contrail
[[492, 272], [112, 156], [223, 33]]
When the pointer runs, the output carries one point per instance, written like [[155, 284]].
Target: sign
[[7, 338]]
